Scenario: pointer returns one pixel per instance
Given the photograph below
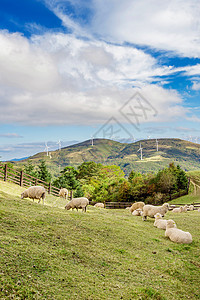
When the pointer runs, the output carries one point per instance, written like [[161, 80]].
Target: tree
[[29, 169], [67, 179], [43, 173]]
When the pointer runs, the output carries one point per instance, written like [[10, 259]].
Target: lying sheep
[[199, 209], [77, 203], [137, 205], [99, 204], [178, 209], [191, 207], [185, 208], [137, 212], [177, 235], [151, 210], [159, 222], [63, 193], [34, 192]]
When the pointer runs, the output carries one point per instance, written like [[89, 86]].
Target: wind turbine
[[140, 149], [46, 148], [59, 145], [92, 140], [157, 145]]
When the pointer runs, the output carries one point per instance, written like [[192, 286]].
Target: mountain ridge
[[125, 155]]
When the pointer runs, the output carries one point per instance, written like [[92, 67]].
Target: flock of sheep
[[171, 231], [137, 209]]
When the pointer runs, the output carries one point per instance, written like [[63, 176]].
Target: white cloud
[[59, 79], [171, 25]]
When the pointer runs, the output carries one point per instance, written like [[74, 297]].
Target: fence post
[[49, 189], [5, 172], [21, 178], [71, 195], [36, 181], [188, 185]]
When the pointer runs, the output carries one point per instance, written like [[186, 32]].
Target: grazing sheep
[[191, 207], [77, 203], [178, 209], [151, 210], [137, 212], [99, 204], [159, 222], [63, 193], [177, 235], [34, 192], [137, 205]]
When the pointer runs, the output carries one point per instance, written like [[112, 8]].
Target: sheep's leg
[[39, 200], [144, 218]]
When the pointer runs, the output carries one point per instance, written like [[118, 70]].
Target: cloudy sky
[[72, 69]]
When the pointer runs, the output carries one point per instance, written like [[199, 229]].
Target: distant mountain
[[127, 156], [19, 159]]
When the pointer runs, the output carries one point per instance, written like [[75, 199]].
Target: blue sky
[[74, 69]]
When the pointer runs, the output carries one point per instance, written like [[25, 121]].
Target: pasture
[[50, 253]]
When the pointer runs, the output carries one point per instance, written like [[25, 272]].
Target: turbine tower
[[46, 148], [92, 140], [140, 149], [156, 145], [59, 145]]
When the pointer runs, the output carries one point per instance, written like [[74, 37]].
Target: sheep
[[178, 209], [34, 192], [63, 193], [137, 205], [99, 204], [191, 207], [159, 222], [77, 203], [199, 209], [137, 212], [185, 208], [151, 210], [177, 235]]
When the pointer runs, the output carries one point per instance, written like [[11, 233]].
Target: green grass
[[50, 253]]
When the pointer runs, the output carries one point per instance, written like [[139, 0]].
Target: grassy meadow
[[50, 253]]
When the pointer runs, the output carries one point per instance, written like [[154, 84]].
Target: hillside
[[185, 153], [50, 253]]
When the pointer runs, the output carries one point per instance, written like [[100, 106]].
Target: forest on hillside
[[101, 183]]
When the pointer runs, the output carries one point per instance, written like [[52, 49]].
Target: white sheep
[[178, 209], [151, 210], [191, 207], [137, 205], [159, 222], [137, 212], [77, 203], [185, 208], [34, 192], [63, 193], [177, 235], [99, 204], [199, 209]]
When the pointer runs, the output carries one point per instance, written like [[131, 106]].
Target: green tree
[[43, 173], [67, 179], [29, 169]]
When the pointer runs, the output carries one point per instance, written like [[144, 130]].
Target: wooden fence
[[26, 180]]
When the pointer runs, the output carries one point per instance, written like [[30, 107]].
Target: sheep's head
[[166, 205], [170, 224], [22, 195], [67, 206], [158, 216]]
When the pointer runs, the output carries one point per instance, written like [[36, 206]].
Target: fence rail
[[26, 180]]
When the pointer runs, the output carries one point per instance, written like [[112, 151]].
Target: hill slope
[[50, 253], [187, 154]]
